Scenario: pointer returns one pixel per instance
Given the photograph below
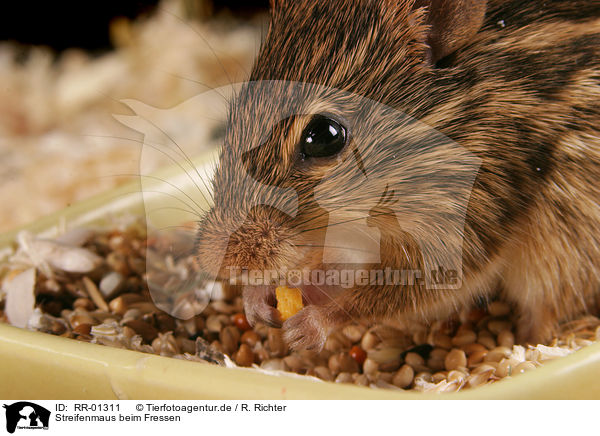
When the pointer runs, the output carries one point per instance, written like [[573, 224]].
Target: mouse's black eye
[[322, 137]]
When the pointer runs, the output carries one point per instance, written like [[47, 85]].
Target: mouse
[[335, 126]]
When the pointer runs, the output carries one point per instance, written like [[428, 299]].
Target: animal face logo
[[394, 182], [26, 415]]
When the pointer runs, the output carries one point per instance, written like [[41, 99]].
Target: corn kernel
[[289, 301]]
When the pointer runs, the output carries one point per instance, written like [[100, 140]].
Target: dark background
[[63, 24]]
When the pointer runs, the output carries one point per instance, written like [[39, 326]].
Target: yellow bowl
[[41, 366]]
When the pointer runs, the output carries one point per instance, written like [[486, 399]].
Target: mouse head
[[326, 127]]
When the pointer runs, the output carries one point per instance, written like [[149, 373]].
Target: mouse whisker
[[314, 218], [212, 50], [338, 223], [188, 79], [199, 213], [200, 209], [158, 148], [175, 208], [336, 247], [178, 227], [186, 158]]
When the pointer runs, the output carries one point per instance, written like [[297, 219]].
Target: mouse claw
[[306, 330], [258, 307]]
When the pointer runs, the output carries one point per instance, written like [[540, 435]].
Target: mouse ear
[[452, 24]]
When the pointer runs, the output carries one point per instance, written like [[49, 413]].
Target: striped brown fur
[[522, 93]]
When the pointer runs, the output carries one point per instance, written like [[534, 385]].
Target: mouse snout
[[259, 241]]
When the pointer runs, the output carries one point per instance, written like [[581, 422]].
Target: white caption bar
[[41, 418]]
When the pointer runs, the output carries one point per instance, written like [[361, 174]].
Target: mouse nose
[[257, 242], [260, 241]]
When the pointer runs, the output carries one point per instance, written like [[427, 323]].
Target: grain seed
[[455, 359]]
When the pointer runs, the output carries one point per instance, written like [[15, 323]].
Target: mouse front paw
[[534, 333], [536, 325], [308, 329], [259, 306]]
